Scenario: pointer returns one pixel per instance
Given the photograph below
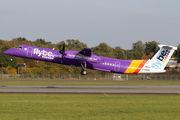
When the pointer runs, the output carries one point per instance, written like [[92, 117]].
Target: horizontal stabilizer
[[168, 47]]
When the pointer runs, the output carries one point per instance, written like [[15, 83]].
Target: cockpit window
[[18, 47]]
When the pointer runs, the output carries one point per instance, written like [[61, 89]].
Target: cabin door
[[117, 66], [29, 52]]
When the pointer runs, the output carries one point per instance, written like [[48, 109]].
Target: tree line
[[139, 50]]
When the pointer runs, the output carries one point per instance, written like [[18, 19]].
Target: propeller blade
[[62, 58], [62, 52], [63, 47]]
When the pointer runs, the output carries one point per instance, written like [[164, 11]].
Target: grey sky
[[115, 22]]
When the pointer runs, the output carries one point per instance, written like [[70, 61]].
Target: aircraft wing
[[86, 52]]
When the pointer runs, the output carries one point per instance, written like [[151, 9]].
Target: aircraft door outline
[[29, 52], [117, 66]]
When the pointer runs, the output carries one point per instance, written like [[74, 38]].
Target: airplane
[[86, 59]]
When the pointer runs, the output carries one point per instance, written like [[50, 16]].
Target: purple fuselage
[[71, 57]]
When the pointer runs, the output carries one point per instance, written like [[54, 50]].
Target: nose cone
[[8, 52]]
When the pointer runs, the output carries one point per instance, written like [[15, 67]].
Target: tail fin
[[159, 61]]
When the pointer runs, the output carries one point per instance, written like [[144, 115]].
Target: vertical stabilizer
[[159, 61]]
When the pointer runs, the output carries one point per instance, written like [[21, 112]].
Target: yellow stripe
[[133, 66]]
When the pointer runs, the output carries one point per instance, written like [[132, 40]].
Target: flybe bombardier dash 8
[[86, 59]]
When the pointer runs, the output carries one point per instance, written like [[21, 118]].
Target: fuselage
[[75, 58]]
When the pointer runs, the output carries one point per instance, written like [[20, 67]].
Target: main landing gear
[[11, 59], [83, 67]]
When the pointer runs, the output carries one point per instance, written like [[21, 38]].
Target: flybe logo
[[43, 53], [161, 58], [164, 55]]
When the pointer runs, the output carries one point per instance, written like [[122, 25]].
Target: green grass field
[[89, 107], [88, 82]]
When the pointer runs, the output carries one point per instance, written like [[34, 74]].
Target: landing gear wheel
[[83, 67], [11, 58], [84, 72]]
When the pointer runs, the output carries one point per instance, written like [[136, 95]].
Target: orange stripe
[[140, 66], [166, 56], [133, 66]]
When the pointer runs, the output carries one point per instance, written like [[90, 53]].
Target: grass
[[87, 82], [89, 107]]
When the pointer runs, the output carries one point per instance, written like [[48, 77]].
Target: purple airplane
[[86, 59]]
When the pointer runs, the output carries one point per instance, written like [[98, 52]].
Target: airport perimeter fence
[[119, 77]]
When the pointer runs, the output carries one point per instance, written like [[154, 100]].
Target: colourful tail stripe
[[140, 66], [135, 66]]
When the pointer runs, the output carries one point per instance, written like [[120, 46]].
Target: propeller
[[62, 52]]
